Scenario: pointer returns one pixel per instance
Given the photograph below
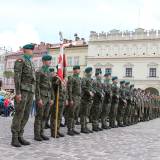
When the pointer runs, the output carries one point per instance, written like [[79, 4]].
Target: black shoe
[[70, 133], [53, 136], [95, 129], [38, 138], [15, 142], [89, 130], [100, 129], [78, 123], [85, 131], [105, 127], [60, 134], [62, 125], [47, 126], [45, 138], [75, 132], [23, 141]]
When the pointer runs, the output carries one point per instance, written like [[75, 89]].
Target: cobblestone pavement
[[138, 142]]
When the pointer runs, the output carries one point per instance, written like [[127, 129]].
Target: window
[[76, 60], [128, 72], [152, 72], [108, 70], [98, 70], [69, 60]]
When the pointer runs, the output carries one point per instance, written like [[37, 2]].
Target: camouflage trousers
[[106, 107], [42, 113], [86, 105], [71, 112], [22, 112], [53, 116], [146, 113], [120, 114], [95, 113], [113, 114], [127, 115]]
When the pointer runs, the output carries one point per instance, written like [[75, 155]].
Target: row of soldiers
[[105, 105]]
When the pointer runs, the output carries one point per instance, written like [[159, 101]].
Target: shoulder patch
[[19, 60]]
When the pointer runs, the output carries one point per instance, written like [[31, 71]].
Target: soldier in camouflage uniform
[[115, 102], [74, 98], [24, 77], [107, 101], [132, 114], [122, 104], [87, 99], [127, 115], [44, 98], [97, 102], [136, 106], [57, 82]]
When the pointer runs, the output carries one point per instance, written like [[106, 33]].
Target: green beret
[[46, 57], [29, 46], [127, 83], [114, 78], [88, 69], [76, 67], [107, 74], [132, 85], [122, 82], [51, 69], [98, 73]]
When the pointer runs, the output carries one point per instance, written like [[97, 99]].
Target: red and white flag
[[62, 63]]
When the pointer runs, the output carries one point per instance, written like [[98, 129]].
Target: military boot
[[85, 130], [45, 138], [15, 142], [38, 138], [53, 135], [76, 132], [70, 132], [60, 134], [23, 141]]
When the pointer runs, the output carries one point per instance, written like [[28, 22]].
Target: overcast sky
[[24, 21]]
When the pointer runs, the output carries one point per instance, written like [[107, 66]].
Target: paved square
[[138, 142]]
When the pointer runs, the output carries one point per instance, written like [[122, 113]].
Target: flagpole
[[57, 97]]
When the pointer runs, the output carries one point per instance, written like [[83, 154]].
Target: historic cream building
[[76, 54], [133, 56]]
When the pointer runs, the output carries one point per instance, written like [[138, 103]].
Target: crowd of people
[[6, 102], [104, 102]]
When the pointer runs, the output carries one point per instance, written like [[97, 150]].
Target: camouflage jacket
[[99, 93], [24, 76], [56, 82], [122, 98], [74, 87], [107, 88], [115, 93], [43, 84], [87, 87]]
